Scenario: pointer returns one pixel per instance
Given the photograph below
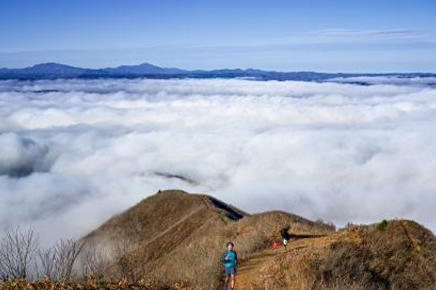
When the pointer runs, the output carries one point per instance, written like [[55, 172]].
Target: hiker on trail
[[229, 258], [285, 235]]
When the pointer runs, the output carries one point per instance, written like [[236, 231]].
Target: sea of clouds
[[75, 152]]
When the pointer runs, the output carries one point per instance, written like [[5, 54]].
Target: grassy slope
[[179, 237], [402, 256]]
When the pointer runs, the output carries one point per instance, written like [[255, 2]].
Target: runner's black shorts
[[230, 271]]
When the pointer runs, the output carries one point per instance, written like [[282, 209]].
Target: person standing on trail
[[285, 235], [229, 258]]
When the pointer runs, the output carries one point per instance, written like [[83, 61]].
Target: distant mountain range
[[146, 70]]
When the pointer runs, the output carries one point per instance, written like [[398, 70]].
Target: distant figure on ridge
[[229, 258], [285, 235]]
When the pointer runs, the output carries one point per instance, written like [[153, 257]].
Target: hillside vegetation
[[400, 255], [176, 236], [173, 240]]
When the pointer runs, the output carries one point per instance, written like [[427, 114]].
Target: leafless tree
[[122, 247], [57, 263], [3, 275], [17, 252], [66, 253], [47, 261], [95, 262]]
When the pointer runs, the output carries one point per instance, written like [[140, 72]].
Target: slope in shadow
[[229, 210]]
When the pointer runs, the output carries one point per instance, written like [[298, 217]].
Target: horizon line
[[222, 68]]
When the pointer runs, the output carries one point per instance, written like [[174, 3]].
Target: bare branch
[[47, 262], [17, 252], [66, 253], [96, 262], [122, 248]]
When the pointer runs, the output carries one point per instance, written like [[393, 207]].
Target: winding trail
[[250, 269]]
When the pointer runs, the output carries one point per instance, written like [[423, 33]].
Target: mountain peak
[[51, 69], [171, 229], [47, 64], [146, 64], [143, 69], [52, 65]]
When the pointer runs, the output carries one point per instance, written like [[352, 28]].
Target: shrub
[[382, 225]]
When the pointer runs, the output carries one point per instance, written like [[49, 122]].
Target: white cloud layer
[[75, 152]]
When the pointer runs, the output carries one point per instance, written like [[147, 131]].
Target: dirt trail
[[248, 271]]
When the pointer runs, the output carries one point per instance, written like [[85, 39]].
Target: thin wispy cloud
[[400, 33], [360, 36], [334, 50]]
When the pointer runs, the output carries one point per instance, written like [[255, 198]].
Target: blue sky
[[320, 35]]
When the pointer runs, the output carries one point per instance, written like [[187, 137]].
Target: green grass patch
[[381, 226]]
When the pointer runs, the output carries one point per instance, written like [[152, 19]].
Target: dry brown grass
[[89, 285], [180, 236], [401, 256], [174, 236]]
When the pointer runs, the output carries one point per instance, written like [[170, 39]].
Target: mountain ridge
[[174, 236], [52, 70]]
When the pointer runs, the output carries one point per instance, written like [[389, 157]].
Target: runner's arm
[[223, 257]]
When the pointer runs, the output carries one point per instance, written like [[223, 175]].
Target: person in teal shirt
[[230, 259]]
